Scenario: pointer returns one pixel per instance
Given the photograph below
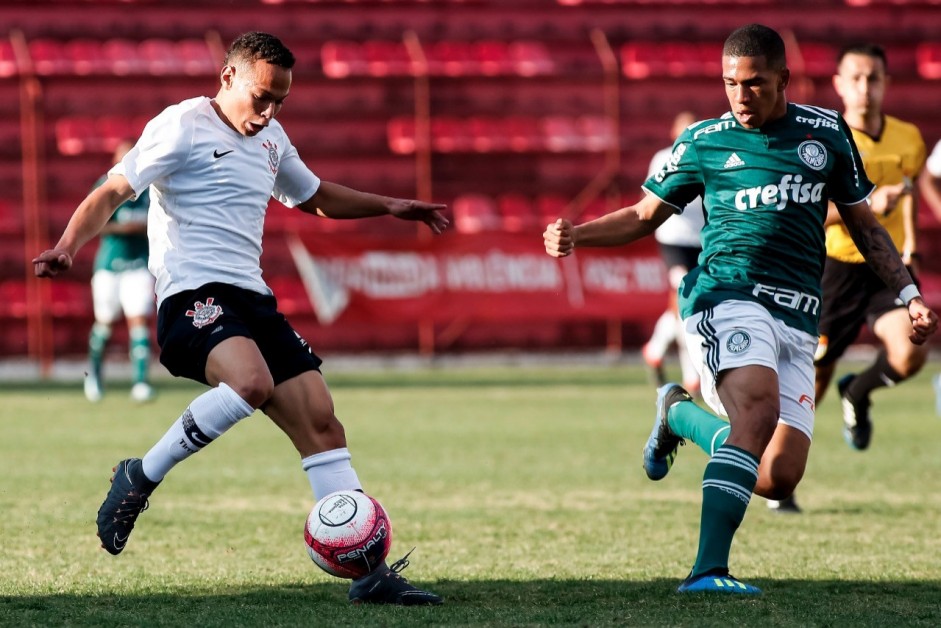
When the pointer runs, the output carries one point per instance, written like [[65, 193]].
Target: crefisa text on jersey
[[818, 122], [790, 187]]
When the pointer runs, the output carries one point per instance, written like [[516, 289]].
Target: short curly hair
[[756, 40], [257, 46]]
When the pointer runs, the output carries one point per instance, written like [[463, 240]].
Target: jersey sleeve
[[933, 165], [921, 154], [680, 180], [848, 182], [295, 182], [163, 147]]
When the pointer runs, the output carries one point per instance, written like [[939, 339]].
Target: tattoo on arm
[[874, 243]]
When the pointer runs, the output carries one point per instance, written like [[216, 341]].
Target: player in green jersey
[[766, 171], [120, 284]]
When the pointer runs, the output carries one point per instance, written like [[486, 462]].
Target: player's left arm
[[909, 226], [332, 200], [875, 244]]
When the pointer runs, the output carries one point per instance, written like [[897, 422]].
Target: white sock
[[331, 471], [687, 368], [206, 418], [664, 332]]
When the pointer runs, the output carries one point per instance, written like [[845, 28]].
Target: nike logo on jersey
[[734, 161], [217, 154]]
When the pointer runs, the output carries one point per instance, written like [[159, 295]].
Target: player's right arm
[[619, 227], [89, 218], [874, 242]]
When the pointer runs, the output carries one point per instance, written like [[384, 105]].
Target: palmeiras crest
[[813, 153]]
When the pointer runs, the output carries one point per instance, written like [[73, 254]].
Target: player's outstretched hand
[[428, 213], [558, 238], [924, 321], [52, 262]]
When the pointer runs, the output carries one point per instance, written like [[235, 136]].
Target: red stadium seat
[[531, 58], [474, 213], [523, 134], [597, 132], [196, 58], [641, 59], [549, 207], [517, 212], [928, 56], [8, 66], [160, 57], [76, 135], [13, 298], [492, 58], [112, 130], [561, 135], [84, 56], [48, 57], [387, 58], [121, 57], [451, 58], [819, 60], [487, 134], [341, 59], [401, 135], [644, 59], [450, 135], [70, 299]]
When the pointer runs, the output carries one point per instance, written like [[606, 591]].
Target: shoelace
[[401, 563], [132, 513]]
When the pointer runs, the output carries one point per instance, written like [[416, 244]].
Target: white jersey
[[680, 229], [933, 165], [209, 192]]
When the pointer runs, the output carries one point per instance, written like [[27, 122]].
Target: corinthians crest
[[204, 313], [274, 160]]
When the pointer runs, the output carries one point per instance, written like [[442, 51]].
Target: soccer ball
[[348, 534]]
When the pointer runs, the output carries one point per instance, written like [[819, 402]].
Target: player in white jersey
[[680, 246], [212, 164], [930, 186]]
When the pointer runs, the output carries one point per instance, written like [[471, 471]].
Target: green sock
[[97, 340], [690, 422], [727, 486], [139, 352]]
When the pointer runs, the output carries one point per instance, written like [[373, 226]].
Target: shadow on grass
[[498, 602]]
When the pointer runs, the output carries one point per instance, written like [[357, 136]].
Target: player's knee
[[324, 421], [255, 388], [909, 365]]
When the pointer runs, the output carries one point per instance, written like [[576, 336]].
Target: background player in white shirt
[[211, 166], [679, 242], [930, 188], [121, 284]]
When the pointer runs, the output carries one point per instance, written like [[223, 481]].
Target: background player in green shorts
[[121, 284], [766, 171]]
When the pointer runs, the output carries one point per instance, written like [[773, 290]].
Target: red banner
[[492, 277]]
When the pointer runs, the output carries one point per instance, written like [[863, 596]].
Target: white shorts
[[742, 333], [130, 291]]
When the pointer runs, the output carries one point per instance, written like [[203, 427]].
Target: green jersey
[[120, 252], [765, 194]]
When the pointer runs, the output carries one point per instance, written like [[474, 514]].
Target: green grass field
[[521, 488]]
